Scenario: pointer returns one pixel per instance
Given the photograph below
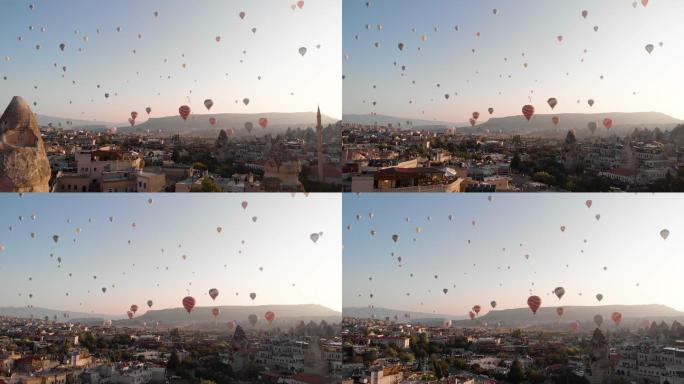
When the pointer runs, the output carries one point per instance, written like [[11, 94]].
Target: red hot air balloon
[[476, 309], [215, 312], [134, 308], [534, 302], [184, 111], [130, 315], [617, 318], [607, 122], [212, 121], [263, 122], [555, 120], [270, 316], [528, 111], [471, 314], [560, 311], [188, 303]]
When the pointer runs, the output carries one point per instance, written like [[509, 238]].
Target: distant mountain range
[[382, 313], [198, 124], [285, 314], [400, 122], [539, 125], [632, 315]]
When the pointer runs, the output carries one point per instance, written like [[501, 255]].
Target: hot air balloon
[[555, 120], [208, 103], [599, 296], [184, 111], [395, 238], [493, 304], [263, 122], [472, 122], [476, 115], [528, 111], [585, 13], [401, 46], [590, 102], [314, 237], [213, 293], [598, 320], [252, 319], [664, 234], [471, 314], [559, 311], [215, 312], [62, 46], [649, 48], [252, 295], [149, 303], [249, 126], [130, 315], [148, 110], [490, 110], [134, 115], [270, 316], [607, 122], [188, 303], [55, 238], [588, 203], [574, 326], [592, 126], [212, 121], [242, 15], [534, 302], [559, 291], [617, 318], [300, 4], [302, 51], [476, 309], [134, 308]]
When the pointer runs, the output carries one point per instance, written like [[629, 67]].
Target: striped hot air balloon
[[528, 111], [188, 303], [184, 111], [534, 302]]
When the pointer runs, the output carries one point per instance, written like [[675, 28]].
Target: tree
[[543, 177], [516, 162], [199, 166], [208, 185], [516, 374], [173, 362]]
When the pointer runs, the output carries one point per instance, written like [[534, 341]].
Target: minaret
[[319, 143]]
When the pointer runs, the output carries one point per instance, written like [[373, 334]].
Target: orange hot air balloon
[[607, 122], [130, 315], [476, 115], [560, 311], [476, 309], [188, 303], [215, 312], [134, 308], [270, 316], [617, 318], [212, 121], [534, 302], [555, 120], [471, 314], [528, 111], [263, 122], [184, 111]]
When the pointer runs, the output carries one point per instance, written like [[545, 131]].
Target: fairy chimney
[[24, 166]]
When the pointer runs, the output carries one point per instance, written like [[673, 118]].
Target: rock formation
[[24, 166]]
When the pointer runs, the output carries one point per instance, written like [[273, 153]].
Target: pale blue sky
[[528, 27], [181, 28], [626, 240], [279, 242]]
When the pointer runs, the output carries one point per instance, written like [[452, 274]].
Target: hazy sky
[[225, 72], [279, 242], [626, 240], [495, 76]]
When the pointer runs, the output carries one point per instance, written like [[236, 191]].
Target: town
[[61, 158], [386, 158], [391, 351], [54, 350]]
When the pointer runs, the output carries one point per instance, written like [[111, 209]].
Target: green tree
[[516, 374]]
